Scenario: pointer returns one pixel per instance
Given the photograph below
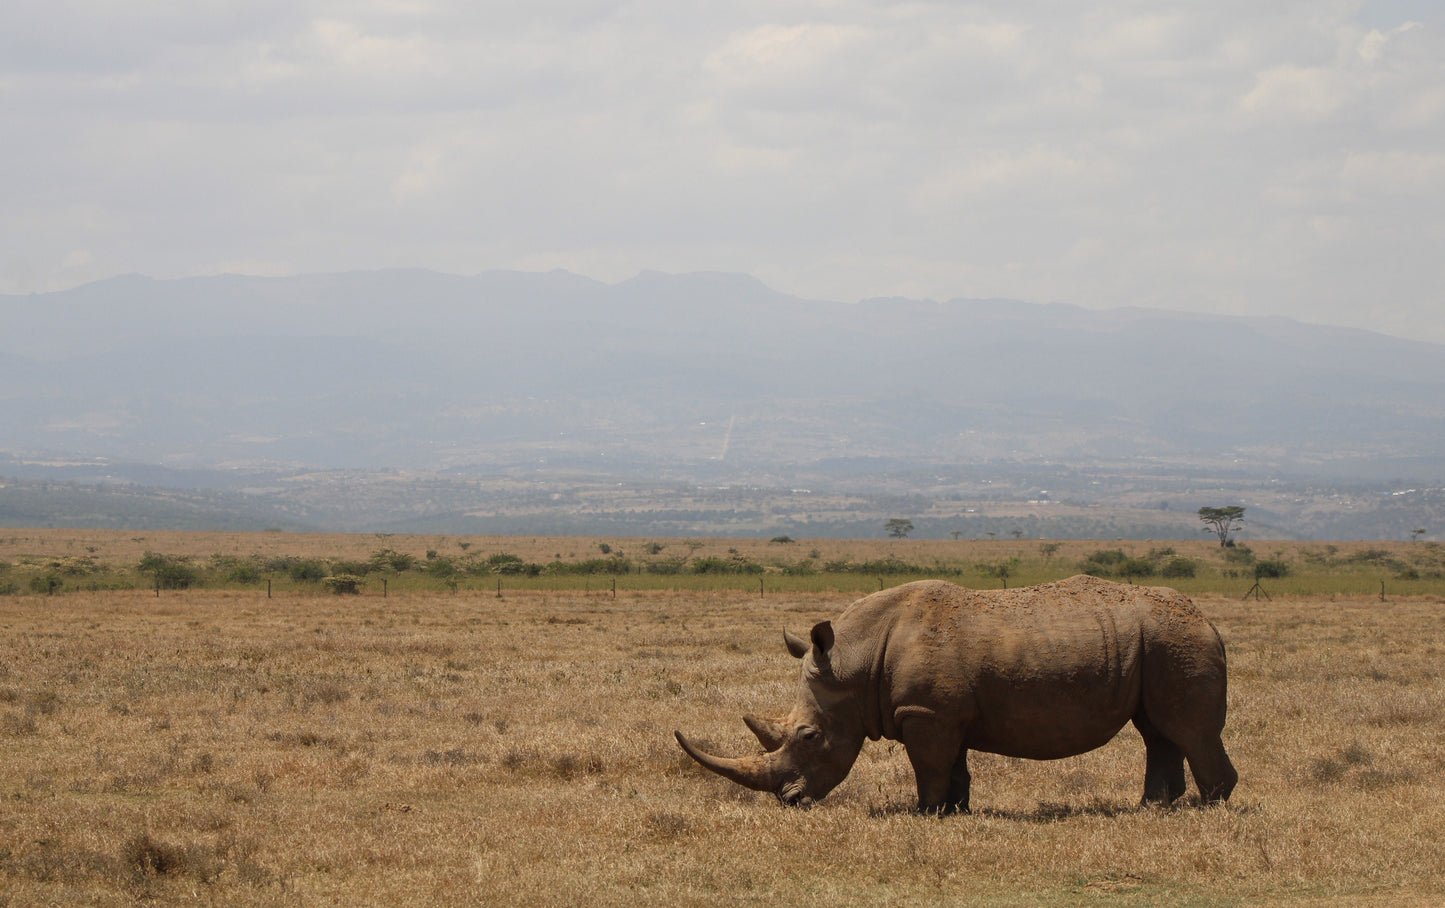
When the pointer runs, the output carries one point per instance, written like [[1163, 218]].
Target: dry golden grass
[[127, 546], [221, 748]]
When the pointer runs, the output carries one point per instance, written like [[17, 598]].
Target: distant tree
[[898, 527], [1222, 521], [955, 534], [1049, 548], [1017, 534], [999, 569], [1416, 534]]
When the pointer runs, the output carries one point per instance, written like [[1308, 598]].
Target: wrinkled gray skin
[[1041, 673]]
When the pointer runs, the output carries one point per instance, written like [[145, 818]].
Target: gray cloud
[[1230, 157]]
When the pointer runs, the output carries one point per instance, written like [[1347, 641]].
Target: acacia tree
[[1222, 521], [898, 527]]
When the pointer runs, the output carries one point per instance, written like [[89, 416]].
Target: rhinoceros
[[1039, 672]]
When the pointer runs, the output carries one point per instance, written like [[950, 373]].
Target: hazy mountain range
[[697, 378]]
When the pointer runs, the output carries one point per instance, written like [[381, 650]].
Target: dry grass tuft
[[145, 857]]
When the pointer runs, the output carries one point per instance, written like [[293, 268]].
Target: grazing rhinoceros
[[1041, 672]]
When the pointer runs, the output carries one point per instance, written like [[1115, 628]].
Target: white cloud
[[1295, 92], [1372, 175], [1232, 156]]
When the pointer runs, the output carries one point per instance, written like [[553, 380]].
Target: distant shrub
[[170, 572], [47, 584], [1271, 567], [391, 560], [884, 567], [783, 540], [442, 566], [999, 570], [344, 584], [306, 570], [602, 566], [1136, 567], [1178, 567], [878, 567], [1103, 563], [1116, 563], [734, 565], [243, 572], [1240, 554], [75, 565], [1372, 556], [301, 570], [511, 565]]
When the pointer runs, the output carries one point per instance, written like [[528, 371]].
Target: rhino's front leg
[[940, 763]]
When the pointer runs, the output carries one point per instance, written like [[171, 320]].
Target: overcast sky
[[1229, 156]]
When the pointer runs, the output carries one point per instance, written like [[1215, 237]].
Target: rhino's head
[[810, 750]]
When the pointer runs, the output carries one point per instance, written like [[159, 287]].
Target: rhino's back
[[1038, 671], [1028, 619]]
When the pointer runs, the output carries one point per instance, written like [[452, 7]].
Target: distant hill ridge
[[414, 369]]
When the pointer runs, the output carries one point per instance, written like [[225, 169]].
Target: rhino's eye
[[808, 733]]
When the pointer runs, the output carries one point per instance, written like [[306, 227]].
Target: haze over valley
[[697, 404]]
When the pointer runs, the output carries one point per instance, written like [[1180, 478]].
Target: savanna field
[[489, 721]]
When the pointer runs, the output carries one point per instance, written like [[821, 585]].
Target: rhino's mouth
[[792, 795]]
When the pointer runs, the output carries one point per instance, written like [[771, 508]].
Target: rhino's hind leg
[[958, 784], [1163, 766]]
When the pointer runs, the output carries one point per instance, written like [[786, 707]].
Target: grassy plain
[[81, 560], [214, 746]]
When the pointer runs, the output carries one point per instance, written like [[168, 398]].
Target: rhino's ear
[[798, 646], [822, 641]]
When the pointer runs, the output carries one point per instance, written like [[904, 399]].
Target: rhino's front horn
[[757, 773]]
